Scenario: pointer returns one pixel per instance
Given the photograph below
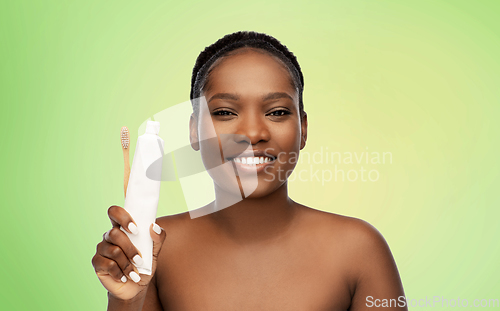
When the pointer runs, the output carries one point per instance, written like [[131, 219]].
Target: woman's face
[[251, 105]]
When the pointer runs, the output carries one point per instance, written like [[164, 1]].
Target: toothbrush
[[125, 140]]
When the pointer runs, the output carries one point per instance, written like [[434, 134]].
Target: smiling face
[[251, 97]]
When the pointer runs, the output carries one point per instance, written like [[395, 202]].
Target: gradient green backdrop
[[418, 79]]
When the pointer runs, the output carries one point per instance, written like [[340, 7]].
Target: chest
[[251, 278]]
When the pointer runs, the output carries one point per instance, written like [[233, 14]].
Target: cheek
[[221, 128], [209, 143], [287, 138], [206, 128]]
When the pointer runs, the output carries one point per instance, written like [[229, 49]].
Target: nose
[[253, 129]]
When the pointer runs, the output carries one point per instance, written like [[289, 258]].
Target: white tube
[[143, 192]]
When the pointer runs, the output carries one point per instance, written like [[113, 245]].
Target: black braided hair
[[236, 40]]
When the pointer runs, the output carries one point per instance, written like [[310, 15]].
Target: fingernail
[[133, 228], [106, 236], [134, 276], [156, 228], [124, 279], [138, 260]]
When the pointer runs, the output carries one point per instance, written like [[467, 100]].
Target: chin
[[265, 188]]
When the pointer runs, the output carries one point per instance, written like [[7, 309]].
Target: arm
[[377, 278], [152, 302]]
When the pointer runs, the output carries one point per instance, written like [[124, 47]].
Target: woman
[[265, 252]]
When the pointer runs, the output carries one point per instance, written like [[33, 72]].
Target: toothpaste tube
[[143, 191]]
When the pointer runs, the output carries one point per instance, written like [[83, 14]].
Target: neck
[[256, 219]]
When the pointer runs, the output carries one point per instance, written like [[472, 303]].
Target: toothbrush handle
[[126, 170]]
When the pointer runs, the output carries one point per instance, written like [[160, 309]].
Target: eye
[[222, 113], [279, 113]]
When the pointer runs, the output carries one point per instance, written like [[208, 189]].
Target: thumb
[[158, 235]]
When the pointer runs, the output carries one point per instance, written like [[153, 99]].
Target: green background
[[418, 79]]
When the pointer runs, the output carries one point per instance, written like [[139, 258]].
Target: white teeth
[[252, 160]]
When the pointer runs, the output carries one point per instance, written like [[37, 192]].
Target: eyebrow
[[276, 95], [224, 96], [270, 96]]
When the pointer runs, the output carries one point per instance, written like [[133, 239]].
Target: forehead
[[250, 70]]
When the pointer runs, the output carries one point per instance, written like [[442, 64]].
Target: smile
[[252, 160], [252, 165]]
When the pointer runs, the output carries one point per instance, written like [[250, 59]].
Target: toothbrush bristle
[[125, 137]]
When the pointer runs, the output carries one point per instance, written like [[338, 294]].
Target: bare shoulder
[[347, 226], [173, 222], [360, 250], [355, 235], [181, 228]]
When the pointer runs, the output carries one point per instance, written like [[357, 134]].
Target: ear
[[303, 125], [193, 132]]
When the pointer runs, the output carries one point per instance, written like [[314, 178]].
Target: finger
[[116, 254], [118, 237], [107, 266], [120, 217], [158, 235]]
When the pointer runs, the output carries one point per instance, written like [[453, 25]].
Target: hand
[[115, 254]]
